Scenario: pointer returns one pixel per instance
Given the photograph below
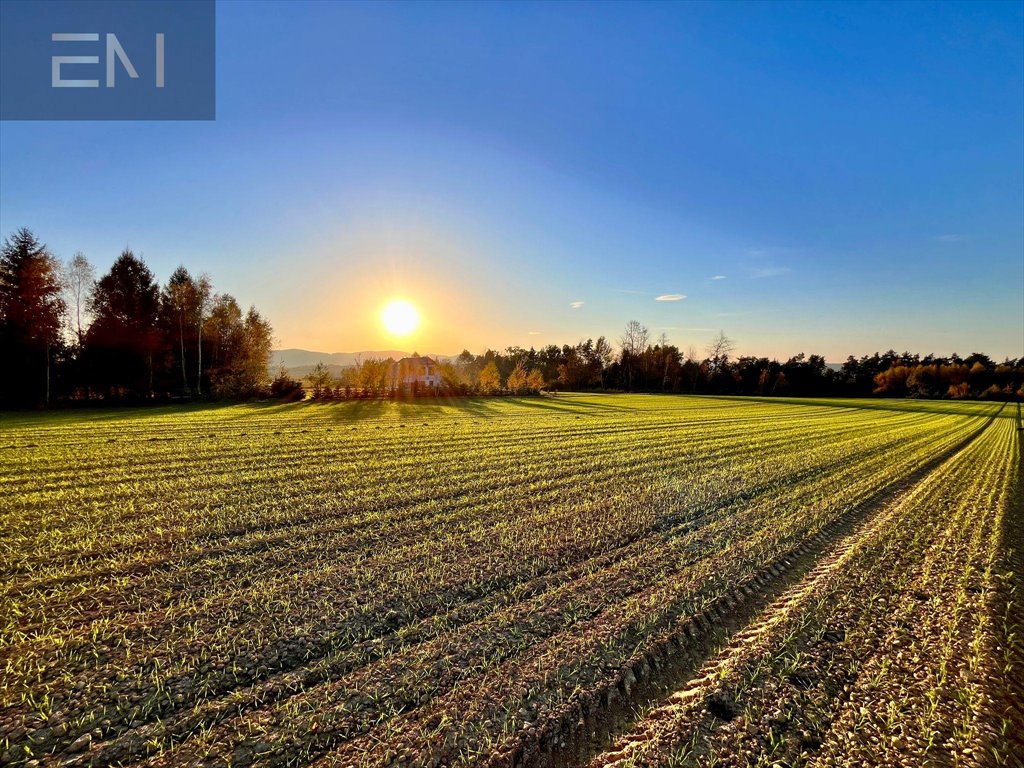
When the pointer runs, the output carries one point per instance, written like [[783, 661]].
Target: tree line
[[66, 335], [641, 364]]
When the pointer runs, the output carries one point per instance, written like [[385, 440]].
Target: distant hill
[[300, 362]]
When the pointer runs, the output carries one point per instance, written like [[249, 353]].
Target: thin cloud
[[951, 238], [628, 290], [533, 333], [671, 297], [758, 273], [701, 330], [575, 304], [718, 277]]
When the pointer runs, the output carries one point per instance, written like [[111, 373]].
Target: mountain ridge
[[301, 358]]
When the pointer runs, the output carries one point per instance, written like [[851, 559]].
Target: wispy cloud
[[533, 333], [671, 297], [701, 330], [718, 277], [630, 290], [950, 238], [575, 304], [758, 273]]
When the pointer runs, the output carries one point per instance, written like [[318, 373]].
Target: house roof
[[422, 360]]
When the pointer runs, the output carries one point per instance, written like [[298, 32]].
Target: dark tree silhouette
[[31, 312], [123, 340]]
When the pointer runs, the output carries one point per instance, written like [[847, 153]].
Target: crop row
[[294, 603], [888, 653]]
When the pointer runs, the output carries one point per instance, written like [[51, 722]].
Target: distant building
[[422, 371]]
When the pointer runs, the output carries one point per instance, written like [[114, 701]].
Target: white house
[[419, 370]]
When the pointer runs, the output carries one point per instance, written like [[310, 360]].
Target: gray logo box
[[108, 60]]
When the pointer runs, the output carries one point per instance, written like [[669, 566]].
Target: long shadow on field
[[473, 407], [568, 404], [87, 414], [362, 410]]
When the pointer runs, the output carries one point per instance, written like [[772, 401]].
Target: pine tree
[[31, 312]]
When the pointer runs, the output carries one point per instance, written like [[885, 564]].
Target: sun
[[399, 317]]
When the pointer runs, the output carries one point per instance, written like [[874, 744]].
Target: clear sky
[[831, 178]]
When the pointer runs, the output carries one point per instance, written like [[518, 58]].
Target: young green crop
[[419, 581]]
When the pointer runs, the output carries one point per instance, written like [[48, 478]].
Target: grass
[[336, 583]]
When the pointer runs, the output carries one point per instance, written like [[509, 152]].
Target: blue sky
[[853, 174]]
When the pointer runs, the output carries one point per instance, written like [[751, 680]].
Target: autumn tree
[[490, 379], [535, 380], [250, 370], [454, 375], [517, 382], [31, 312], [374, 374], [222, 331]]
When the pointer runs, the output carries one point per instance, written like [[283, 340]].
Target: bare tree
[[719, 350], [693, 366], [78, 278], [179, 306], [634, 340], [203, 297]]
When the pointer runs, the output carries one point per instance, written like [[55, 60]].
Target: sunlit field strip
[[720, 453], [536, 425], [328, 453], [541, 668], [313, 455], [266, 593], [270, 593], [902, 558], [463, 492], [162, 491], [930, 690], [263, 554]]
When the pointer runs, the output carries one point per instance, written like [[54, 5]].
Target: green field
[[629, 580]]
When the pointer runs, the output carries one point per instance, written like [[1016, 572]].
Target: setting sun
[[400, 317]]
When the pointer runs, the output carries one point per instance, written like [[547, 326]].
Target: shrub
[[284, 387]]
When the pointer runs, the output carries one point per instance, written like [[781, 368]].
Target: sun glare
[[400, 317]]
